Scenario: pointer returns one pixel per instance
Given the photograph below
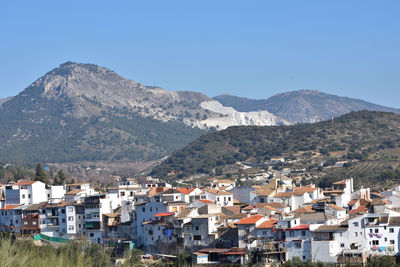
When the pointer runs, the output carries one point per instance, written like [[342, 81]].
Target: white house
[[26, 193]]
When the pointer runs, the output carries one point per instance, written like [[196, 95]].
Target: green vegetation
[[26, 254], [356, 136], [38, 129]]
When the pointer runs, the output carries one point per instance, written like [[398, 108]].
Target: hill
[[84, 112], [302, 106], [355, 136]]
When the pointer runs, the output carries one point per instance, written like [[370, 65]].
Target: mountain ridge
[[302, 106]]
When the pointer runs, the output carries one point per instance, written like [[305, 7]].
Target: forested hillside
[[355, 136]]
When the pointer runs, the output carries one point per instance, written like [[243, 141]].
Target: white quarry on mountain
[[231, 117]]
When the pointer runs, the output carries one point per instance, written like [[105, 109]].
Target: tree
[[60, 178], [40, 174]]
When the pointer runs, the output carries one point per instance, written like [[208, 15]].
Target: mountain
[[4, 100], [303, 106], [85, 112], [356, 135]]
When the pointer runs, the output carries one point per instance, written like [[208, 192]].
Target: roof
[[232, 209], [206, 201], [352, 202], [343, 182], [360, 209], [305, 189], [332, 206], [213, 250], [112, 215], [219, 192], [250, 220], [25, 182], [249, 207], [36, 206], [10, 207], [163, 214], [263, 192], [394, 221], [300, 227], [379, 201], [74, 192], [267, 224], [331, 228], [284, 194], [234, 253], [185, 191], [305, 209], [226, 181], [312, 217], [275, 205]]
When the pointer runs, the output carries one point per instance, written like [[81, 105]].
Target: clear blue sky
[[246, 48]]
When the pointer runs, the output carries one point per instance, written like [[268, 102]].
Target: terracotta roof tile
[[10, 207], [250, 220], [185, 191], [267, 224], [335, 207], [25, 182], [206, 201], [300, 227], [74, 192], [305, 189]]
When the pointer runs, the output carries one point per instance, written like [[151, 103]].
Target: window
[[375, 242], [297, 245], [151, 209], [48, 195], [122, 194], [34, 223], [91, 234], [70, 209], [70, 218], [291, 233], [355, 234], [355, 224], [71, 228], [23, 195], [385, 239], [229, 198], [143, 209], [384, 227], [16, 221], [391, 242], [25, 223], [376, 230], [197, 228], [63, 220], [29, 195], [391, 230], [342, 245], [370, 230], [63, 211], [303, 233], [197, 237]]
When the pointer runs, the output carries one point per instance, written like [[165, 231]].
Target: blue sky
[[246, 48]]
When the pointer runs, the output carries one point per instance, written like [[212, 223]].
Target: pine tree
[[40, 174], [60, 178]]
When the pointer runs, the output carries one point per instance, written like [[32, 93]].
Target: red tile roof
[[10, 207], [300, 227], [250, 220], [163, 214], [305, 189], [185, 191], [267, 224], [25, 182], [360, 209], [206, 201]]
